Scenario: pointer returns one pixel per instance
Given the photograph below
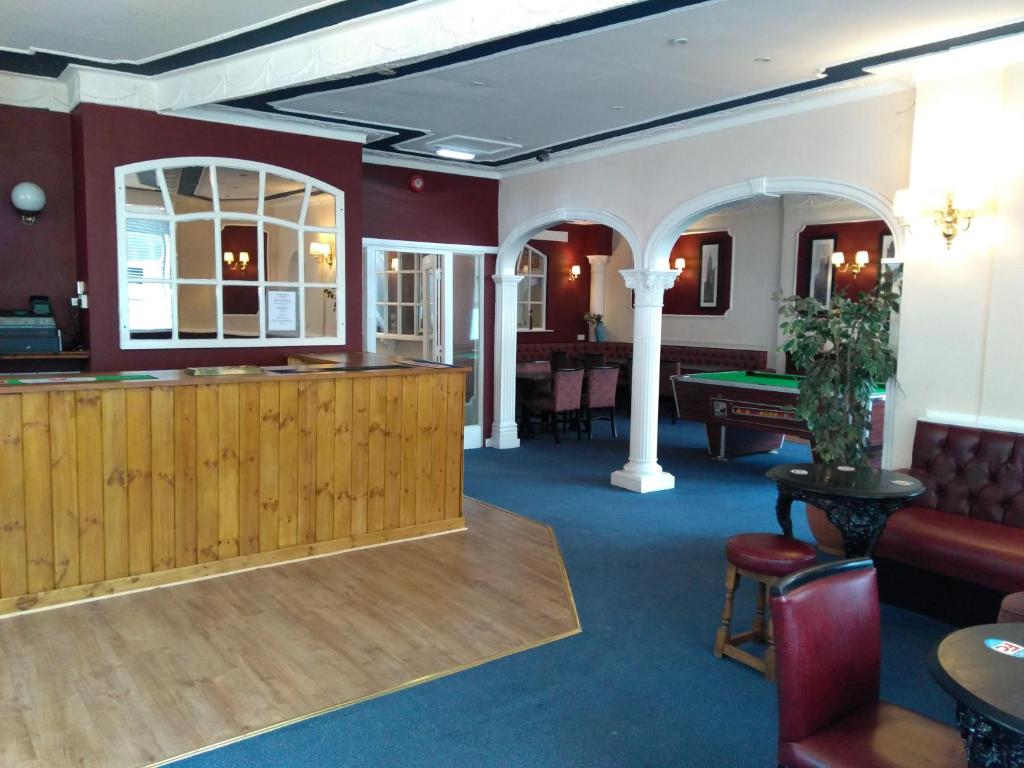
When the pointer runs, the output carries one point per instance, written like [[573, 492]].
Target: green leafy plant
[[591, 318], [845, 352]]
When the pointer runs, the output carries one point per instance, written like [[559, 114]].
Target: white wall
[[960, 354]]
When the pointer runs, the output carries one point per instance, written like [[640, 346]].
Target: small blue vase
[[599, 332]]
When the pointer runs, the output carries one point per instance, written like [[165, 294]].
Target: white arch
[[675, 223], [503, 430], [514, 241]]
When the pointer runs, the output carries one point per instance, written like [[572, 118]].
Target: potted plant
[[844, 350], [596, 324]]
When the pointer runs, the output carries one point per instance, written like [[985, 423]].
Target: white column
[[642, 473], [504, 431]]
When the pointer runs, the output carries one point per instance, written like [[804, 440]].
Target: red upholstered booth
[[968, 526]]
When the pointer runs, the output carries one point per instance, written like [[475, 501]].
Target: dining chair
[[828, 654], [562, 403], [594, 360], [560, 359], [601, 384]]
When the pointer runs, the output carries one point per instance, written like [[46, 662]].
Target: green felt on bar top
[[82, 379], [759, 378]]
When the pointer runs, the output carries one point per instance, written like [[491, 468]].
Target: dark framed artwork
[[821, 268], [709, 275], [887, 248]]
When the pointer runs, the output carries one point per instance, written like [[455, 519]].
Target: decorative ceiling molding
[[33, 92], [374, 157]]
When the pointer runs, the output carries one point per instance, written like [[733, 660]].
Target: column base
[[503, 436], [632, 481]]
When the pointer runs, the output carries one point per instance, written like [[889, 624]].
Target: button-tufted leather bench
[[969, 523]]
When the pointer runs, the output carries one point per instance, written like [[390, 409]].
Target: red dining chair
[[602, 382], [828, 652], [562, 402]]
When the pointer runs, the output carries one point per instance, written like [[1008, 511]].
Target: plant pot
[[599, 332], [826, 535]]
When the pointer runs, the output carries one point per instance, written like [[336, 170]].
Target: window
[[215, 252], [399, 276], [533, 266]]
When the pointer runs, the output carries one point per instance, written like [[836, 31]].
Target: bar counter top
[[340, 364]]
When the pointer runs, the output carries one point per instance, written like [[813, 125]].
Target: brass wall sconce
[[237, 265], [680, 264], [952, 219], [860, 260], [575, 272], [322, 253]]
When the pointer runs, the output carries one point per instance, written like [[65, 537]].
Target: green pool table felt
[[758, 379]]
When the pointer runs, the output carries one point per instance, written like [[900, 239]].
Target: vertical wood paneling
[[249, 470], [228, 407], [454, 427], [35, 425], [425, 391], [410, 435], [438, 438], [393, 454], [90, 485], [324, 460], [288, 475], [64, 488], [140, 481], [185, 474], [161, 422], [270, 431], [377, 463], [207, 472], [306, 522], [115, 483], [13, 577], [105, 483], [342, 481], [360, 453]]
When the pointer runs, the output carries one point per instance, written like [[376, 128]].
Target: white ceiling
[[133, 30], [554, 92]]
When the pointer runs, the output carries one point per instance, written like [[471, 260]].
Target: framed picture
[[821, 268], [888, 249], [709, 275]]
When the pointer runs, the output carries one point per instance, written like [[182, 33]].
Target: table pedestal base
[[988, 744]]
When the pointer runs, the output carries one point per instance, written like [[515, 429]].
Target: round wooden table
[[858, 501], [988, 686]]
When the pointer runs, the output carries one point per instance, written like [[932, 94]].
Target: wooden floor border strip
[[418, 681]]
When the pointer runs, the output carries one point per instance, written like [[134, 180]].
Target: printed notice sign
[[282, 311]]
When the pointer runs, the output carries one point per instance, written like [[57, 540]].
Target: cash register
[[29, 331]]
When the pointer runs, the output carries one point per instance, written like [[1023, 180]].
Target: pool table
[[752, 411]]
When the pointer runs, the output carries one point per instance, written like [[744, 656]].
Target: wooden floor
[[141, 678]]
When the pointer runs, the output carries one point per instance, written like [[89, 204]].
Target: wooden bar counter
[[122, 483]]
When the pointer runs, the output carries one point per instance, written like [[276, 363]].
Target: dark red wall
[[35, 145], [568, 300], [683, 298], [850, 238], [237, 238], [451, 209], [107, 137]]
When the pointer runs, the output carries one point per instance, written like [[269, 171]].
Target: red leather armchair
[[828, 663]]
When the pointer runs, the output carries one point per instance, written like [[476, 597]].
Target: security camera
[[543, 156]]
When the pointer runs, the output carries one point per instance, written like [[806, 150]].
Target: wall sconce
[[575, 272], [239, 265], [322, 253], [950, 219], [680, 264], [860, 260], [28, 200], [394, 263]]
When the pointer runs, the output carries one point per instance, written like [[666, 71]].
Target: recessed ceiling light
[[509, 138], [617, 107], [763, 59], [455, 154], [678, 41], [479, 83], [337, 111], [386, 71]]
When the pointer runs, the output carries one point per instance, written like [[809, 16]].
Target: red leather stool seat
[[1012, 608], [769, 553]]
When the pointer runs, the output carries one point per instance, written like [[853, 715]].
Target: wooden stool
[[765, 558]]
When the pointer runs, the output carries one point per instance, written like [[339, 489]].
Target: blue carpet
[[639, 686]]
